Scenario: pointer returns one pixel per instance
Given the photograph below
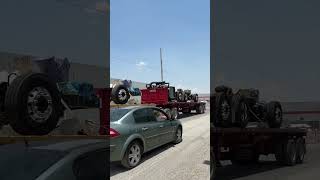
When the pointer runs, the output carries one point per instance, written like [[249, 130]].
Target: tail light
[[114, 133]]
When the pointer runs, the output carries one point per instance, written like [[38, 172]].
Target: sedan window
[[117, 114], [160, 116], [144, 115]]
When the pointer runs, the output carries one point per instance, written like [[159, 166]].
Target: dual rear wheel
[[291, 152]]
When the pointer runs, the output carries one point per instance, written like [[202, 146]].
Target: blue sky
[[181, 27]]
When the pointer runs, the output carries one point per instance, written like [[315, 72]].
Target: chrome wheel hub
[[225, 110], [134, 155], [179, 135], [39, 104], [244, 109], [122, 95], [278, 114]]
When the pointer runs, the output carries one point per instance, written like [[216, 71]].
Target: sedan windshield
[[116, 114]]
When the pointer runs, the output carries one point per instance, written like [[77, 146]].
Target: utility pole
[[161, 64]]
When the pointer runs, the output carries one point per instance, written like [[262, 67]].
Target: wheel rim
[[40, 105], [301, 152], [294, 152], [122, 95], [278, 114], [225, 110], [179, 135], [301, 156], [244, 110], [294, 156], [134, 155]]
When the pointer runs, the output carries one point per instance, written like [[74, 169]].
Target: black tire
[[291, 153], [195, 98], [222, 110], [301, 150], [180, 97], [213, 165], [126, 160], [120, 94], [178, 135], [274, 114], [286, 153], [25, 118], [186, 97], [198, 109], [202, 109], [241, 111]]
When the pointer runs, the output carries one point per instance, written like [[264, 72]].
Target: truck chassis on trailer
[[246, 145], [164, 96]]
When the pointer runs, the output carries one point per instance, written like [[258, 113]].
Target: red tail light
[[113, 133]]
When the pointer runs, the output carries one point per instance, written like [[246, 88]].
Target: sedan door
[[147, 126], [166, 127]]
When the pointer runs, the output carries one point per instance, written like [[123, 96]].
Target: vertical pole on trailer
[[161, 64]]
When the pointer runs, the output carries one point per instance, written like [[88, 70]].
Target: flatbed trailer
[[171, 108], [184, 107], [246, 145]]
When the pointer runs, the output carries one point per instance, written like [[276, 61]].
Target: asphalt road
[[267, 169], [188, 160]]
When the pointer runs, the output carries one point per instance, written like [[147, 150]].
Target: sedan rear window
[[116, 114]]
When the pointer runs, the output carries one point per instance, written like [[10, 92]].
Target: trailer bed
[[246, 145], [258, 131], [180, 104]]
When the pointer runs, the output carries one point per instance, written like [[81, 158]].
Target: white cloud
[[141, 65]]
